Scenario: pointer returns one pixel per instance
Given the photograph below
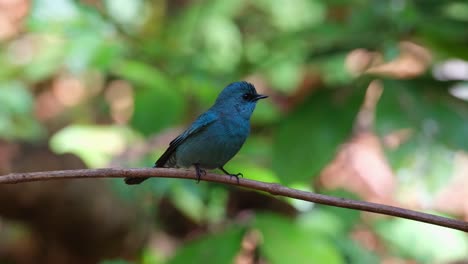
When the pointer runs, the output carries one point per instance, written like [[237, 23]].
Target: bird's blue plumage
[[216, 135]]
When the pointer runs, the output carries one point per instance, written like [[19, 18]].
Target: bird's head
[[238, 97]]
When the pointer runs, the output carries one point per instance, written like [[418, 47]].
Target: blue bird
[[215, 136]]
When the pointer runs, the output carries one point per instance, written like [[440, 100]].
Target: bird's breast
[[236, 127]]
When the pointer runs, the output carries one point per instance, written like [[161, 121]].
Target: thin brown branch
[[272, 188]]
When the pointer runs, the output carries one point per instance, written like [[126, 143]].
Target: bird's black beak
[[259, 96]]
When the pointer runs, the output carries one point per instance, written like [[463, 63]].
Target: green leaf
[[286, 242], [188, 201], [217, 248], [355, 253], [16, 112], [334, 70], [431, 112], [126, 12], [47, 60], [439, 124], [141, 73], [307, 139], [156, 109], [217, 204], [286, 75], [313, 221], [289, 15], [225, 8], [106, 55], [222, 44], [457, 10], [157, 103]]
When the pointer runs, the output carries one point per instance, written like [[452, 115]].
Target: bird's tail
[[136, 180]]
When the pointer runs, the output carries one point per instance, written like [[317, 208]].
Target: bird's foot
[[232, 174], [199, 172], [236, 176]]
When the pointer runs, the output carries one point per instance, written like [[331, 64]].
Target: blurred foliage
[[285, 241], [114, 81], [415, 241], [221, 248]]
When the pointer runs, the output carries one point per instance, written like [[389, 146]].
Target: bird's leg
[[231, 174], [199, 171]]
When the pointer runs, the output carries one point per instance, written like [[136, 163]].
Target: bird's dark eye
[[247, 96]]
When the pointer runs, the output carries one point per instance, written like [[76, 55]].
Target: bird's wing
[[198, 125]]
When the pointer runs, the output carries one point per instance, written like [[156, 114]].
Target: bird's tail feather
[[136, 180]]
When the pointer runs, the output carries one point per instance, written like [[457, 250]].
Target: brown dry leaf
[[359, 60], [453, 199], [412, 62], [366, 115], [361, 167]]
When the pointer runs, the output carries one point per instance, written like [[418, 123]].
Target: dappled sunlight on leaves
[[96, 145]]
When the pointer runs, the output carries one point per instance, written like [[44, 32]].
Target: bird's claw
[[236, 176], [232, 174]]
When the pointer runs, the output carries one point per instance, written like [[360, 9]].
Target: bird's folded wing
[[202, 122]]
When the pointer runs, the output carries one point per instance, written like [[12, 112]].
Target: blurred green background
[[368, 100]]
